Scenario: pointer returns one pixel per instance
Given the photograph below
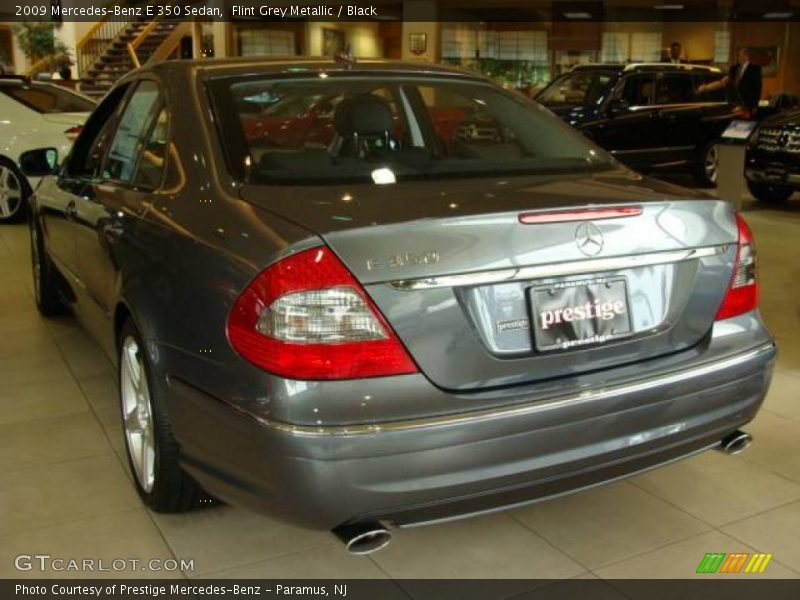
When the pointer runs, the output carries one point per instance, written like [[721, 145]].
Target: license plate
[[579, 313]]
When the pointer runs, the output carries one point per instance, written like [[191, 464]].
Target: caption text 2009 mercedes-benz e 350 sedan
[[358, 295]]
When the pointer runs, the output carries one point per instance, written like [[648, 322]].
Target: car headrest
[[365, 115]]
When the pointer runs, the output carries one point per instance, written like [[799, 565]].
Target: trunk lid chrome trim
[[578, 267]]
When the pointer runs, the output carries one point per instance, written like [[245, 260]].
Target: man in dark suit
[[675, 50], [746, 78]]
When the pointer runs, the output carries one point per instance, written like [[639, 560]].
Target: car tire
[[150, 447], [45, 283], [707, 170], [14, 193], [766, 192]]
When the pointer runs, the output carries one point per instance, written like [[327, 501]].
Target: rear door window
[[154, 153], [131, 134], [638, 90], [583, 88], [675, 88]]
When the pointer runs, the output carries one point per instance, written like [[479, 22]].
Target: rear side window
[[583, 88], [131, 134], [48, 99], [675, 89], [639, 90], [154, 153]]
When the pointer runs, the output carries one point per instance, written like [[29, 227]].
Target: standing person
[[675, 50], [746, 78]]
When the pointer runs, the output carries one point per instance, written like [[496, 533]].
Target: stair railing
[[95, 41], [134, 44], [137, 41]]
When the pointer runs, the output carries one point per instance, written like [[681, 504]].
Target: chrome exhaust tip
[[363, 538], [736, 443]]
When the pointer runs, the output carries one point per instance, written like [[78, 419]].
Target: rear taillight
[[742, 295], [72, 133], [306, 317]]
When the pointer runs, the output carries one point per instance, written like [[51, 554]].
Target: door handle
[[663, 114], [71, 210]]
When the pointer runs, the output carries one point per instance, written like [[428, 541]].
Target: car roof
[[294, 66], [645, 66], [599, 67]]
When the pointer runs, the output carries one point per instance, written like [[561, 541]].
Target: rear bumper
[[438, 468]]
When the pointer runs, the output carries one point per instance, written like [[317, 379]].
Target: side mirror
[[39, 162]]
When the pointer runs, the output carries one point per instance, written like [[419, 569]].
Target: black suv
[[651, 116], [772, 168]]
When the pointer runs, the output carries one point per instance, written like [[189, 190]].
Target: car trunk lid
[[468, 286]]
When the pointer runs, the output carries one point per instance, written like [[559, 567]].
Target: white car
[[33, 114]]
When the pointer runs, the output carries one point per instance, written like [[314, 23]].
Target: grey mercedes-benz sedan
[[373, 294]]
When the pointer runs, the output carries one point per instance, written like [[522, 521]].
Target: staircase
[[116, 60]]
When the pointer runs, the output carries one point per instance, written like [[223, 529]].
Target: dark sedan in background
[[772, 165], [652, 117], [440, 301]]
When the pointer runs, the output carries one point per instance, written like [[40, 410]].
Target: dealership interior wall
[[64, 484], [534, 50]]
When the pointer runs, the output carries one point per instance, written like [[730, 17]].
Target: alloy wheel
[[10, 193], [137, 414], [711, 163]]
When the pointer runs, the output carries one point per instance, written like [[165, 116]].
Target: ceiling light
[[669, 7], [577, 15], [778, 15]]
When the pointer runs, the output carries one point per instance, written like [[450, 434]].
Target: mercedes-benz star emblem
[[589, 239]]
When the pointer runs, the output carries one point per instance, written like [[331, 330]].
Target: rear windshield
[[313, 130], [48, 99], [579, 88]]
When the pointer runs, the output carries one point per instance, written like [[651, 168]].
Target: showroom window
[[616, 47], [258, 41], [519, 58], [620, 47], [645, 47], [722, 47]]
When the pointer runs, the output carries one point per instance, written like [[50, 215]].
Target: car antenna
[[345, 57]]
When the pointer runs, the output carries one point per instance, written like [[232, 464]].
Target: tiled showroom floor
[[64, 489]]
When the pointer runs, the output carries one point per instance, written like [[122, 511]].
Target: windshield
[[582, 88], [48, 99], [363, 128]]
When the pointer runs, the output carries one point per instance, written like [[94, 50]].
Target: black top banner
[[399, 10]]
